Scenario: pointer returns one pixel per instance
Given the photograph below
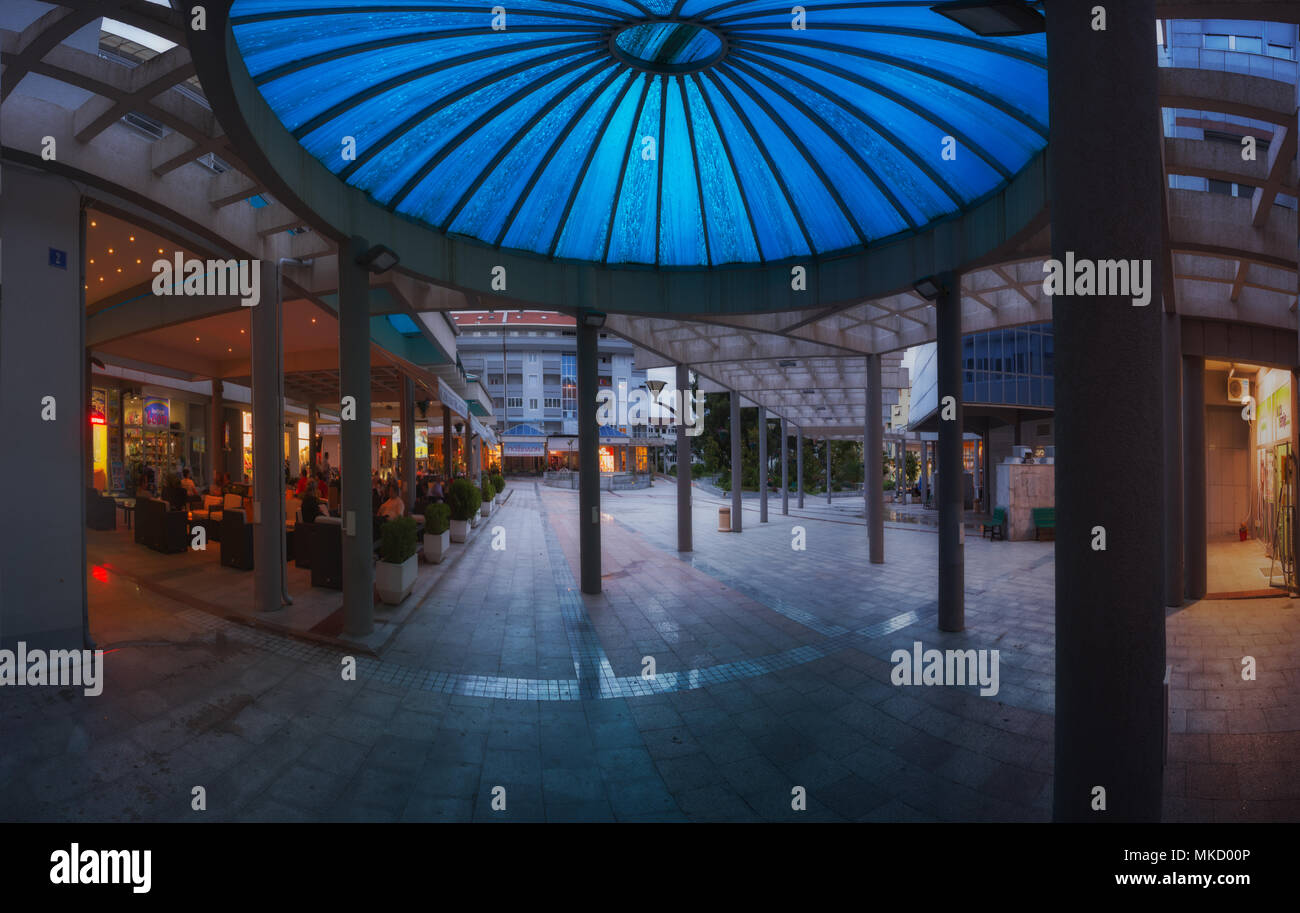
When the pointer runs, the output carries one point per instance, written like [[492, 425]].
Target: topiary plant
[[487, 492], [498, 482], [437, 518], [463, 498], [397, 540]]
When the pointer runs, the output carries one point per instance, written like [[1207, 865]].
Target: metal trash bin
[[724, 519]]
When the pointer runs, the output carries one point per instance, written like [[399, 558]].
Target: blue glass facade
[[1009, 367], [689, 133], [1013, 367]]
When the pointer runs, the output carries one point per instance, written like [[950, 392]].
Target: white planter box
[[459, 530], [496, 499], [394, 581], [436, 546], [473, 521], [485, 509]]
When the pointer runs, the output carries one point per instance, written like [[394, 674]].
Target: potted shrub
[[437, 534], [462, 499], [498, 485], [486, 494], [395, 573]]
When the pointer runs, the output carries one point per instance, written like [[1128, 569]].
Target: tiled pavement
[[772, 672]]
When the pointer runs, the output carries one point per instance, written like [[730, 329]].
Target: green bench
[[996, 526], [1044, 518]]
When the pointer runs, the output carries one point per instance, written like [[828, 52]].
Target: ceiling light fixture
[[378, 259], [930, 288]]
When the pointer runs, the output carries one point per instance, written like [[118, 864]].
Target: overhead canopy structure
[[562, 148]]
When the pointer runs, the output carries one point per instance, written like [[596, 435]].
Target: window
[[552, 402], [532, 404], [494, 380], [569, 385], [1247, 45], [1281, 51], [514, 402]]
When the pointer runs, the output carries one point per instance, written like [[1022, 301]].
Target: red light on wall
[[100, 573], [97, 418]]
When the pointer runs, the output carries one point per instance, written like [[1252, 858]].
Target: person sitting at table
[[302, 483], [312, 507], [435, 490], [393, 506], [191, 490]]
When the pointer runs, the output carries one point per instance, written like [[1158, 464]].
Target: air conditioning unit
[[1238, 389]]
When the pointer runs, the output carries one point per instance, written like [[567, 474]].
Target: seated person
[[393, 506], [191, 490], [435, 490], [302, 483], [312, 507]]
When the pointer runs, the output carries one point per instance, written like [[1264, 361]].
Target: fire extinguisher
[[1241, 531]]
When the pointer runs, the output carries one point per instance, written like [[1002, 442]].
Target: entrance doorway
[[1250, 463]]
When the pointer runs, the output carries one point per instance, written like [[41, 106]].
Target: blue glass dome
[[675, 133]]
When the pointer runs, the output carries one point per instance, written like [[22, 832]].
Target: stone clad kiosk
[[1020, 488]]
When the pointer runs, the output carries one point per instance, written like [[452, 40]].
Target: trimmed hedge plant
[[437, 518], [463, 497], [397, 540], [498, 482], [487, 492]]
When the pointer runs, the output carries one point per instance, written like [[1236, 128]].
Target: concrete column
[[588, 458], [828, 470], [872, 471], [313, 453], [952, 538], [268, 443], [354, 440], [1173, 458], [407, 453], [43, 405], [785, 469], [684, 543], [736, 521], [1105, 178], [925, 471], [762, 464], [446, 441], [986, 468], [466, 434], [798, 464], [216, 446], [1195, 520]]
